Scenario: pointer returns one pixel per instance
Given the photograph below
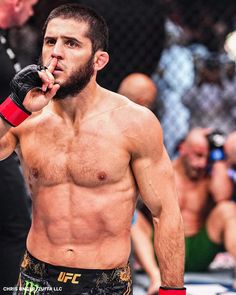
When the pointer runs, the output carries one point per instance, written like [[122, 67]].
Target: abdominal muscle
[[80, 227], [193, 222]]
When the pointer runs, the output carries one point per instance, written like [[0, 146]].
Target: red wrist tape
[[12, 112], [172, 291]]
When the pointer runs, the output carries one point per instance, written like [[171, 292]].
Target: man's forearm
[[170, 249], [221, 186], [143, 247]]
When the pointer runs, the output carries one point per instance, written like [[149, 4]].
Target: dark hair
[[97, 31]]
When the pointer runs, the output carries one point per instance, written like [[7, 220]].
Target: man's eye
[[71, 43], [50, 42]]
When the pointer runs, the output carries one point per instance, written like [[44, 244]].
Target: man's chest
[[86, 158], [193, 196]]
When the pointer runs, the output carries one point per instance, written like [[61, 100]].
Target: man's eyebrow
[[46, 38], [63, 37], [71, 39]]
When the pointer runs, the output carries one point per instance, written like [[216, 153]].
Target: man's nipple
[[102, 176], [34, 172]]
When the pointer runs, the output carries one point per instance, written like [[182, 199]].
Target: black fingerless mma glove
[[12, 109]]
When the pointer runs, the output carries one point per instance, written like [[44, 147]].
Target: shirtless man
[[208, 226], [85, 151]]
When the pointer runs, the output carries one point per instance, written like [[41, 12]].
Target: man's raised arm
[[155, 178], [31, 89]]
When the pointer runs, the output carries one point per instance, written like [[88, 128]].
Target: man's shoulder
[[131, 111], [137, 123]]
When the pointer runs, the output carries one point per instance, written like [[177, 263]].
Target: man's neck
[[80, 106]]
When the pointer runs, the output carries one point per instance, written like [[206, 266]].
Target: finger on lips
[[52, 65]]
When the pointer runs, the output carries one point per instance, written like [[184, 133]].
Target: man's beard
[[196, 174], [76, 82], [193, 173]]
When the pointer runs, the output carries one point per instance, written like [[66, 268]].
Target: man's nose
[[202, 162], [57, 51]]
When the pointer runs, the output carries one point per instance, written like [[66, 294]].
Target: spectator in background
[[209, 214], [211, 101], [139, 88], [14, 208]]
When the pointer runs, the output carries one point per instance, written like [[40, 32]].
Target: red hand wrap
[[169, 291], [12, 113]]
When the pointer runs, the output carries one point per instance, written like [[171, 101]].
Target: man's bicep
[[155, 181], [151, 165]]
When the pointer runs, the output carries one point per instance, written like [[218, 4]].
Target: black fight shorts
[[40, 278]]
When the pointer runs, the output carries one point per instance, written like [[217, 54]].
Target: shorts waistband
[[42, 269]]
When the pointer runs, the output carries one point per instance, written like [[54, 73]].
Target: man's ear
[[100, 60]]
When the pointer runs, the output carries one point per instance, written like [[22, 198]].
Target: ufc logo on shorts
[[67, 276]]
